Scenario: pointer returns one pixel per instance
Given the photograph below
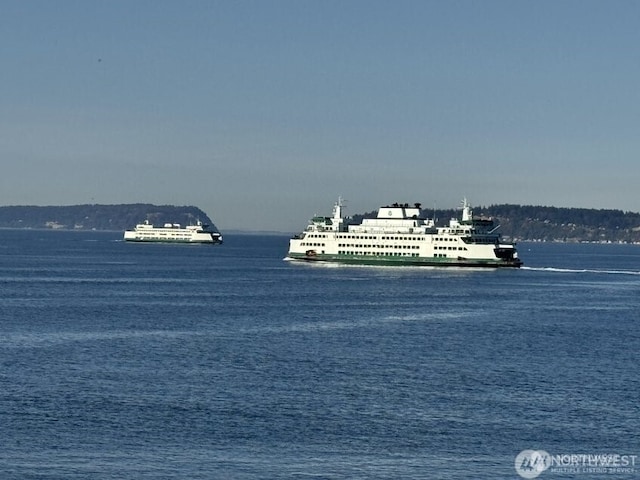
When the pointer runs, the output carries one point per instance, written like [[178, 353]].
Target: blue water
[[127, 361]]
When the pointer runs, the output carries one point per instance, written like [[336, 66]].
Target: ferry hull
[[407, 261], [199, 242]]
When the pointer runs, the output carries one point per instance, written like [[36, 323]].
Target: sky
[[263, 112]]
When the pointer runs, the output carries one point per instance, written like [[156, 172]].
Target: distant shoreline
[[232, 233]]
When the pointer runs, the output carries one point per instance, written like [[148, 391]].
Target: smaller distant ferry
[[399, 235], [173, 233]]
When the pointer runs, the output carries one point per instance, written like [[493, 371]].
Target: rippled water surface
[[183, 361]]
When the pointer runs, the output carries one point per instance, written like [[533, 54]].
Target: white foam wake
[[585, 270]]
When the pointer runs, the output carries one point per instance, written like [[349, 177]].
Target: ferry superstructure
[[400, 236], [173, 233]]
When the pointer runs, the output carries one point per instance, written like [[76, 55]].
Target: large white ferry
[[400, 236], [173, 232]]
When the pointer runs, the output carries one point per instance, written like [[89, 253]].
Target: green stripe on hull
[[406, 261]]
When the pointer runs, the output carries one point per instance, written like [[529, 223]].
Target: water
[[157, 361]]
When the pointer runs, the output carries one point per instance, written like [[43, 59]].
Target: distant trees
[[566, 224]]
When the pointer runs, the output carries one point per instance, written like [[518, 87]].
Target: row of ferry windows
[[168, 235], [396, 254], [395, 247], [413, 247], [365, 237], [378, 254]]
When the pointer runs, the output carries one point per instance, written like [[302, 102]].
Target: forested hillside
[[566, 224], [98, 217], [525, 222]]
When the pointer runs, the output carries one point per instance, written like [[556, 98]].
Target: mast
[[337, 209], [467, 214], [337, 219]]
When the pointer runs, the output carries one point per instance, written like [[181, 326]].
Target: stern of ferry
[[507, 255]]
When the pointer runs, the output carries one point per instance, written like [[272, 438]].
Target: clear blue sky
[[263, 112]]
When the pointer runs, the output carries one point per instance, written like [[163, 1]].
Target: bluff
[[549, 224], [99, 217]]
